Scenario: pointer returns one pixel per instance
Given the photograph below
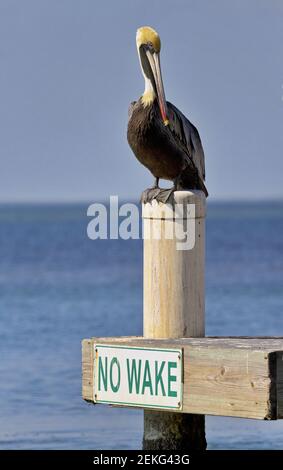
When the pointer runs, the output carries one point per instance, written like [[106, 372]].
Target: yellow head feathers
[[147, 35]]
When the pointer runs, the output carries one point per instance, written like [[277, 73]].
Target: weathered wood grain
[[87, 369], [173, 286], [240, 377]]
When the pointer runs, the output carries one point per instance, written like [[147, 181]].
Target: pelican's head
[[149, 45]]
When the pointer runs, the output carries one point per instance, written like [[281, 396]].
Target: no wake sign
[[135, 376]]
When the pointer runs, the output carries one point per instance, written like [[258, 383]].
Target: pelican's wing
[[188, 135]]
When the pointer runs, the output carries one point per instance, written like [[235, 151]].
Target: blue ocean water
[[57, 287]]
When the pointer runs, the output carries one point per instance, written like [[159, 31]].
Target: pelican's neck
[[149, 93]]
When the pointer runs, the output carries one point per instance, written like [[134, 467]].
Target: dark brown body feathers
[[170, 152]]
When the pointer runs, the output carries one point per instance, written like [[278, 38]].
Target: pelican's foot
[[160, 195], [148, 195]]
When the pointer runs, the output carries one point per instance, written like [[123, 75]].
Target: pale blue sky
[[69, 68]]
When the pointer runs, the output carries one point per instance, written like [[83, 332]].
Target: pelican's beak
[[153, 58]]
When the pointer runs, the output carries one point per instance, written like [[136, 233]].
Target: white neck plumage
[[149, 93]]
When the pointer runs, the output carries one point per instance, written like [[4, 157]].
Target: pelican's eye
[[150, 46]]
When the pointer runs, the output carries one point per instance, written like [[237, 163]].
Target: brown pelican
[[161, 137]]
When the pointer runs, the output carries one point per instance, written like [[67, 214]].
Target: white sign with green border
[[134, 376]]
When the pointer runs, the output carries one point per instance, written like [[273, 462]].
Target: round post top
[[189, 204]]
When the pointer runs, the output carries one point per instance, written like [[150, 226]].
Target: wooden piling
[[174, 302]]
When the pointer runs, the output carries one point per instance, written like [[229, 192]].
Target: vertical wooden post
[[174, 302]]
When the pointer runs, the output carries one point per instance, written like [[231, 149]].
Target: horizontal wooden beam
[[241, 377]]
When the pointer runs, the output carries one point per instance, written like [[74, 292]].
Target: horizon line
[[248, 199]]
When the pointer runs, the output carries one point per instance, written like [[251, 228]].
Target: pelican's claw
[[160, 195]]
